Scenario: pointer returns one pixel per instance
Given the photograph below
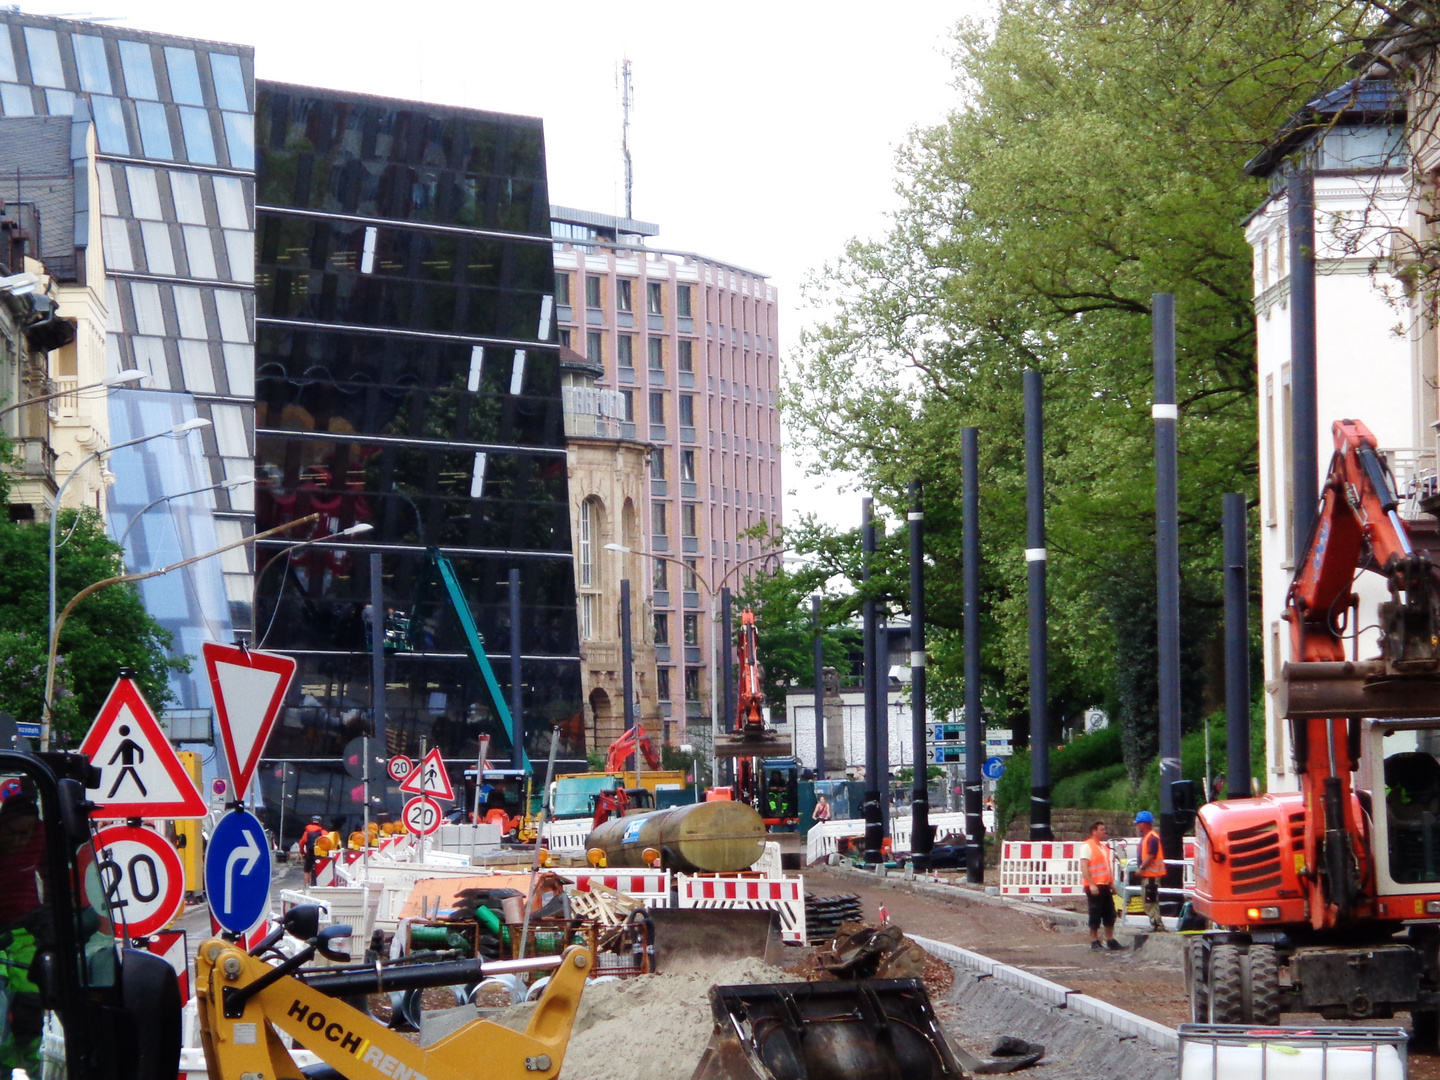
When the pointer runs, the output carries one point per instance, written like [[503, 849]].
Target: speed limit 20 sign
[[133, 878], [423, 815], [399, 767]]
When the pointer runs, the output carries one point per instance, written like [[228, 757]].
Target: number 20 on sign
[[133, 878], [422, 815]]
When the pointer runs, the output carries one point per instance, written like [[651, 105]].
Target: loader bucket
[[706, 939], [877, 1029]]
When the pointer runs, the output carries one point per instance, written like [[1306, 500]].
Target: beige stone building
[[608, 479]]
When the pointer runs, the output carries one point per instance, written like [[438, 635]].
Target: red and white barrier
[[650, 887], [1049, 868], [785, 895]]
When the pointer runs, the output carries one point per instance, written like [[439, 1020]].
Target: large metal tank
[[707, 837]]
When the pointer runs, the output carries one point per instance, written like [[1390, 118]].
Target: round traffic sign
[[219, 786], [399, 767], [133, 879], [422, 815], [994, 768], [237, 871]]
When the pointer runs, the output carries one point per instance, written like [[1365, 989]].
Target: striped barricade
[[568, 835], [785, 895], [1033, 868], [650, 887]]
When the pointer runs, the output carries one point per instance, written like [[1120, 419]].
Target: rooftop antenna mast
[[625, 103]]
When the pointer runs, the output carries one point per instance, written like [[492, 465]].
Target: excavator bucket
[[877, 1029], [759, 744], [706, 939]]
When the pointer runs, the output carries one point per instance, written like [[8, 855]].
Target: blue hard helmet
[[1144, 817]]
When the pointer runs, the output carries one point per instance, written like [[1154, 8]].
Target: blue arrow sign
[[237, 872], [994, 768]]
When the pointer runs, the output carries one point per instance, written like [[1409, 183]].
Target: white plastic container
[[1237, 1052]]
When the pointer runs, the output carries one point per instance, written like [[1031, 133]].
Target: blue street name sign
[[994, 768], [30, 731], [237, 872]]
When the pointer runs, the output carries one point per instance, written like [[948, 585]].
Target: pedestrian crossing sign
[[140, 773]]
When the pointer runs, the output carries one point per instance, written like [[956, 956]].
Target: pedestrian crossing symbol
[[140, 774]]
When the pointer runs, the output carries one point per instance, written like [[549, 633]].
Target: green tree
[[109, 631], [1093, 158]]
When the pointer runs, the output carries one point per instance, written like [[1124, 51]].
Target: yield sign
[[429, 778], [249, 688], [140, 776]]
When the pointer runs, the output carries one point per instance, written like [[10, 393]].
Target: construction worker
[[312, 832], [1099, 881], [1152, 866]]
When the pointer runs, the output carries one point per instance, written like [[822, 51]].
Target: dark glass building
[[407, 377]]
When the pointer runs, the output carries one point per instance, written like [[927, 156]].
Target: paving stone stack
[[824, 914]]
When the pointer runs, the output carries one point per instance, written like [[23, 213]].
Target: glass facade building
[[407, 378]]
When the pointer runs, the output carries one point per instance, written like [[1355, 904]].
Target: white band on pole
[[915, 515], [917, 659], [1034, 554], [1165, 412]]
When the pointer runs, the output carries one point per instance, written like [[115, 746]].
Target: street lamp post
[[377, 619], [129, 375], [711, 593], [227, 484], [119, 579]]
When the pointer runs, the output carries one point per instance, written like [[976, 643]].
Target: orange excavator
[[632, 740], [1327, 899], [749, 741]]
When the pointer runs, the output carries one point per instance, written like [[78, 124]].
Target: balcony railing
[[1414, 472], [593, 412]]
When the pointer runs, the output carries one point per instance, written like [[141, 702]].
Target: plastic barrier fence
[[823, 839], [567, 837], [650, 887], [1028, 868], [785, 895]]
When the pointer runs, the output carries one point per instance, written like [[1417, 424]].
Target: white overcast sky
[[762, 133]]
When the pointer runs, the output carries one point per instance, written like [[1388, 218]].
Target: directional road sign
[[943, 754], [237, 871], [430, 778], [422, 815], [993, 769], [135, 881], [140, 775], [249, 689], [399, 767]]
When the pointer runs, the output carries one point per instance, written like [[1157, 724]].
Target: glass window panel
[[7, 58], [189, 209], [240, 370], [240, 250], [139, 68], [150, 358], [90, 60], [159, 255], [184, 76], [110, 125], [114, 317], [229, 82], [230, 431], [115, 243], [242, 496], [149, 318], [230, 199], [195, 362], [44, 49], [190, 311], [108, 203], [144, 193], [240, 134], [230, 306], [200, 252], [59, 102], [199, 140], [154, 129], [16, 100]]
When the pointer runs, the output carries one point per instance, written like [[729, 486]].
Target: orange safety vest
[[1099, 860], [1155, 855]]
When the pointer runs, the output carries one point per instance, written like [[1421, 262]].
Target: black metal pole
[[882, 697], [727, 674], [1237, 649], [1167, 574], [819, 690], [974, 718], [377, 651], [874, 828], [517, 699], [1304, 421], [921, 839], [627, 655], [1035, 556]]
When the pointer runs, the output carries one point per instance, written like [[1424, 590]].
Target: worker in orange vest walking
[[1152, 866], [1099, 881]]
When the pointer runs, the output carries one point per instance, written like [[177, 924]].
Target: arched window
[[586, 555]]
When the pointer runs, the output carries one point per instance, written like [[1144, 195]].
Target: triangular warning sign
[[429, 778], [249, 689], [140, 776]]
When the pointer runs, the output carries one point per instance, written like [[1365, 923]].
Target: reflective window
[[149, 317], [114, 316], [229, 82], [200, 252], [7, 58], [91, 63], [115, 243], [16, 100], [59, 102], [137, 63], [159, 256], [184, 76], [230, 200], [190, 311], [195, 364], [150, 358], [154, 129], [108, 203], [230, 430], [230, 306], [109, 125], [240, 370], [240, 250], [240, 134], [199, 140], [44, 49], [144, 194], [185, 187]]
